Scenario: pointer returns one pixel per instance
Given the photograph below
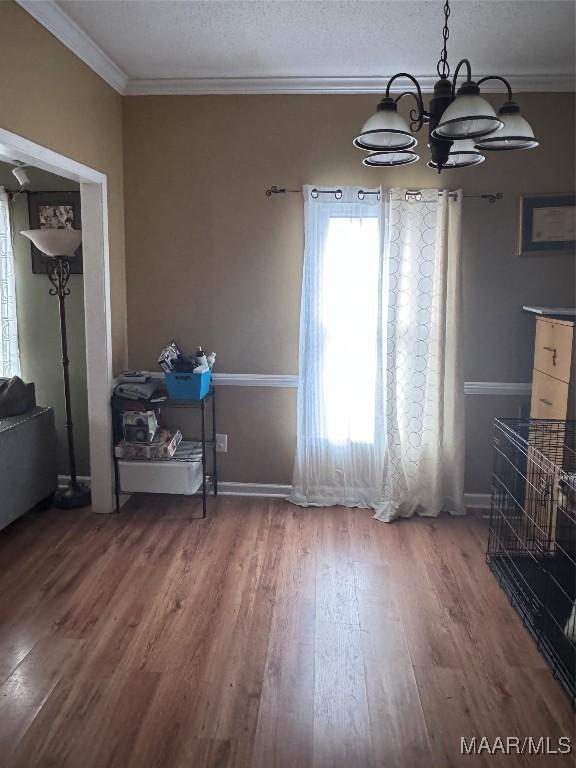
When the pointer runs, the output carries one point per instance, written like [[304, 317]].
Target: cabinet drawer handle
[[546, 402], [554, 353]]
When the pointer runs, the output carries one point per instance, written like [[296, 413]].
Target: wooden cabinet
[[549, 397], [553, 379], [553, 397]]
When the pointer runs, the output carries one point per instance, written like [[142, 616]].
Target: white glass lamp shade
[[469, 116], [55, 242], [390, 157], [462, 154], [386, 129], [516, 133]]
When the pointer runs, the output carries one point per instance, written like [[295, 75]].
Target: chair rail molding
[[290, 381], [256, 380], [519, 389]]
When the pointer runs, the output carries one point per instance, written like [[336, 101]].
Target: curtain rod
[[492, 197]]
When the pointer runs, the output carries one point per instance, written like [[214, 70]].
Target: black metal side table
[[187, 450]]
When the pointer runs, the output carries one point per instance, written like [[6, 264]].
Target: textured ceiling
[[315, 38]]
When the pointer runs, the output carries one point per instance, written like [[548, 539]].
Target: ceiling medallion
[[461, 123]]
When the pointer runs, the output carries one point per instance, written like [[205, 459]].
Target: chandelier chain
[[443, 68]]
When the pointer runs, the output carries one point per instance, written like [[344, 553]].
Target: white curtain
[[380, 396], [9, 352]]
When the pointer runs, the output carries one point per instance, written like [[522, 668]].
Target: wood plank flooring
[[267, 636]]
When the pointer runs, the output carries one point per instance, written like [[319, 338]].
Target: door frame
[[97, 310]]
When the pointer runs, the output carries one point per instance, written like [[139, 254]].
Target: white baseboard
[[65, 479], [477, 500], [277, 491], [263, 490], [271, 491]]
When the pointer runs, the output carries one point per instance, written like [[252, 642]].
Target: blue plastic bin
[[188, 386]]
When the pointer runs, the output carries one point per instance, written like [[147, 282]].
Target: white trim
[[63, 480], [16, 148], [279, 491], [245, 379], [522, 389], [93, 191], [477, 500], [255, 380], [263, 490], [274, 491], [99, 373], [295, 85], [55, 20], [289, 380]]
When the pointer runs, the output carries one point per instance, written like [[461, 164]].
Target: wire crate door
[[542, 481]]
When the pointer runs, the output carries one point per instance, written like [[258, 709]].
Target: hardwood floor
[[266, 636]]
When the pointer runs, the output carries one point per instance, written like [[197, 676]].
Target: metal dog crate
[[532, 540]]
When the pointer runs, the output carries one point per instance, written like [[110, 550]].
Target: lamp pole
[[75, 494]]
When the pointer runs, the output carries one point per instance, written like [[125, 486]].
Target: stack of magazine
[[163, 446], [144, 440]]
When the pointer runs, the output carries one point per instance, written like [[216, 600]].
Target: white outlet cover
[[222, 443]]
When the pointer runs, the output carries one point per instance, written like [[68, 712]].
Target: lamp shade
[[55, 242], [516, 133], [469, 116], [462, 153], [386, 129], [390, 157]]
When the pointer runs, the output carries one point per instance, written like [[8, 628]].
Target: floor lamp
[[60, 245]]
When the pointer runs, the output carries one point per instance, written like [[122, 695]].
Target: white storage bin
[[183, 477]]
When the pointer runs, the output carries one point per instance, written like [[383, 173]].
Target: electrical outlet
[[222, 443]]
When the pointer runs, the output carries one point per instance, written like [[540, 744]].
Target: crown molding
[[204, 86], [55, 20]]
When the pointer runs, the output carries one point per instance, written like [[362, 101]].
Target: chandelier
[[461, 123]]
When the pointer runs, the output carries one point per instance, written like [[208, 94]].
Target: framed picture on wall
[[547, 224], [54, 210]]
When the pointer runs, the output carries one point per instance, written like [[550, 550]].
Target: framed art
[[547, 224], [54, 210]]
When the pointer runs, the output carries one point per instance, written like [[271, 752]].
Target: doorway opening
[[97, 314]]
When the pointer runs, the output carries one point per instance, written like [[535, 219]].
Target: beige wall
[[212, 260], [49, 96]]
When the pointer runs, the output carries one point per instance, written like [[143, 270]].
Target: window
[[9, 352], [349, 319]]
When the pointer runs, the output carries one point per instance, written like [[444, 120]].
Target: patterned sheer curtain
[[380, 397], [9, 352]]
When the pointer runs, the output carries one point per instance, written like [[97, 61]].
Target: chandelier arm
[[463, 62], [419, 115], [501, 79]]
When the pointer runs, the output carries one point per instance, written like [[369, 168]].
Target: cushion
[[14, 397]]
